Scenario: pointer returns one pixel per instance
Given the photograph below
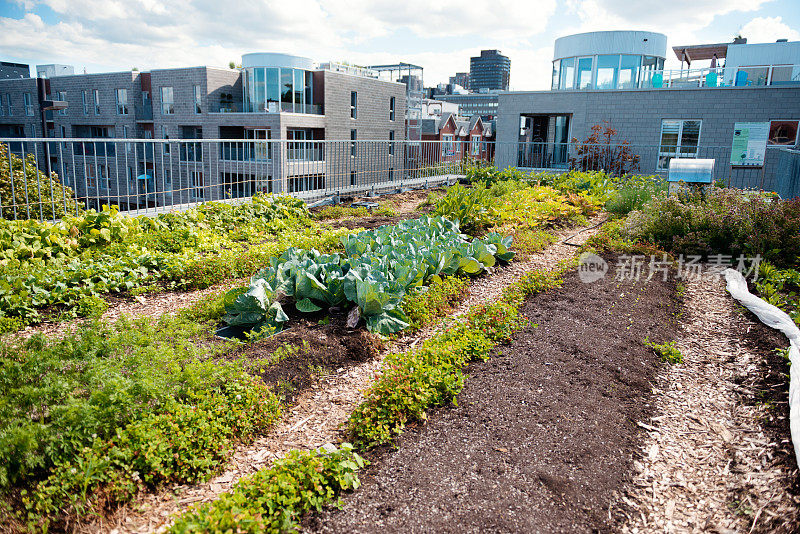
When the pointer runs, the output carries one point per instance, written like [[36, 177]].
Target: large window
[[85, 98], [391, 108], [607, 67], [556, 70], [261, 147], [353, 105], [198, 99], [353, 135], [567, 73], [28, 102], [628, 72], [96, 102], [583, 79], [679, 139], [167, 101], [287, 90], [448, 145], [122, 101], [299, 91]]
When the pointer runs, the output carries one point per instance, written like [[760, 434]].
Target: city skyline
[[146, 34]]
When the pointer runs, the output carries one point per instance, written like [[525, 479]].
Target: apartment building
[[270, 117], [489, 70], [736, 103]]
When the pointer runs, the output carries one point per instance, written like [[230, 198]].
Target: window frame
[[167, 107], [85, 98], [27, 102], [664, 156], [122, 105], [448, 145], [198, 100], [391, 142], [353, 146], [96, 95], [475, 142], [392, 104], [354, 104]]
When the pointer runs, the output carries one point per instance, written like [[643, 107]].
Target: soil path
[[709, 462], [316, 418], [544, 433]]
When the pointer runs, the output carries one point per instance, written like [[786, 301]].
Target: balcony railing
[[144, 110], [749, 76]]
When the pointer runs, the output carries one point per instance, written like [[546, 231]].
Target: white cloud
[[768, 30]]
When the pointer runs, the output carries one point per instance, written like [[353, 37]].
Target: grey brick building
[[617, 79], [289, 136]]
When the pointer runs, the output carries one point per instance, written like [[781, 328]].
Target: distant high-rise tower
[[490, 70], [461, 78]]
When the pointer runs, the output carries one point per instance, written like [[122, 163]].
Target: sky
[[441, 36]]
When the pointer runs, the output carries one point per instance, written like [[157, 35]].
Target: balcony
[[144, 110]]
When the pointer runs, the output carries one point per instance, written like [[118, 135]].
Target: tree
[[29, 191], [601, 152], [232, 65]]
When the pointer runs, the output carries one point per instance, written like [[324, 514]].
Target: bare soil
[[544, 433]]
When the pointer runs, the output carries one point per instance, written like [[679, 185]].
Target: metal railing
[[151, 176]]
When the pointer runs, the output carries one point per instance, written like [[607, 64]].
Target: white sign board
[[749, 144]]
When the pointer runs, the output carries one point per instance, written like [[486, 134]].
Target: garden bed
[[544, 432]]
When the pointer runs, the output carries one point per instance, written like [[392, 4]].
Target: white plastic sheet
[[778, 319]]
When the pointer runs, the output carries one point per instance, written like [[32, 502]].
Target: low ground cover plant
[[91, 419], [273, 499], [667, 351], [44, 265]]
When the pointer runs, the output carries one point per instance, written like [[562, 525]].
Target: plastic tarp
[[779, 320]]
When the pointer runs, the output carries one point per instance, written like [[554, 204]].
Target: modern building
[[740, 108], [483, 104], [436, 109], [490, 70], [284, 104]]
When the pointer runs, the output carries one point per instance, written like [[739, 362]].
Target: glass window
[[259, 90], [96, 102], [628, 72], [273, 90], [85, 98], [299, 91], [167, 101], [287, 89], [567, 73], [584, 74], [556, 69], [353, 134], [391, 142], [353, 105], [607, 67], [448, 145], [28, 102], [261, 149], [197, 185], [122, 101], [391, 108], [679, 138], [649, 67], [309, 91], [476, 145], [198, 99]]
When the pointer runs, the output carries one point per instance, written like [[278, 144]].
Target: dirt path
[[708, 463], [544, 433], [318, 414]]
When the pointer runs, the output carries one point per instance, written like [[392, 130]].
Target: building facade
[[456, 139], [490, 70], [483, 104], [282, 125], [617, 80]]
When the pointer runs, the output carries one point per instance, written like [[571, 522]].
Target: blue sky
[[113, 35]]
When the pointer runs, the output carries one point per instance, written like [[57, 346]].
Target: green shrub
[[273, 499], [471, 207], [722, 221]]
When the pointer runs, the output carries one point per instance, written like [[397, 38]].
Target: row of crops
[[378, 268]]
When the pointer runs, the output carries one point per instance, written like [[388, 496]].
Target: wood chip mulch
[[708, 464]]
